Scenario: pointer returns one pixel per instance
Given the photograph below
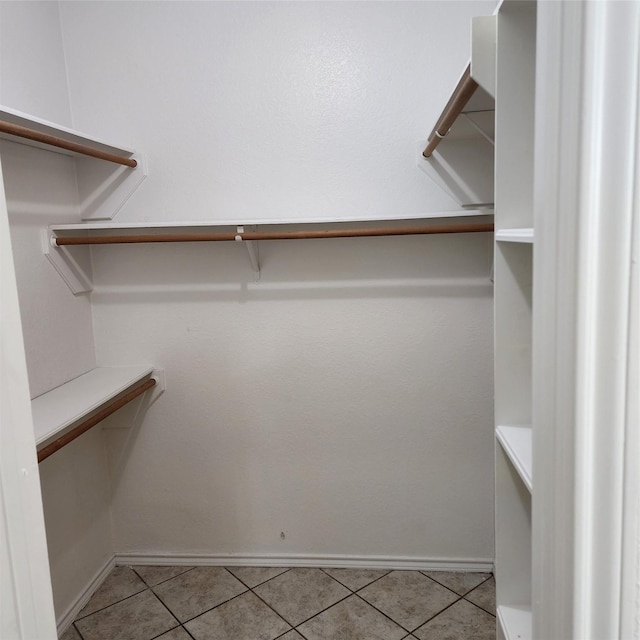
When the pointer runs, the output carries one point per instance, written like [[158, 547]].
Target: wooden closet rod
[[275, 235], [45, 138], [50, 449], [461, 95]]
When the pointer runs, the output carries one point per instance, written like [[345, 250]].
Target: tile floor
[[259, 603]]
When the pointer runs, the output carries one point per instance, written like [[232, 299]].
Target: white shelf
[[515, 235], [515, 622], [70, 135], [58, 409], [517, 444], [208, 224]]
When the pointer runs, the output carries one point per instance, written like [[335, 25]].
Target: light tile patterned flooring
[[259, 603]]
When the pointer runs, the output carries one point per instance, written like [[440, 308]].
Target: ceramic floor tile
[[461, 621], [299, 594], [355, 579], [70, 634], [351, 619], [291, 635], [461, 582], [245, 617], [121, 583], [175, 634], [408, 597], [140, 617], [196, 591], [154, 575], [253, 576], [484, 596]]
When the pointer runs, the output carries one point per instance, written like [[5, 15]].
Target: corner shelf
[[56, 411], [103, 187], [21, 119], [516, 442], [524, 235]]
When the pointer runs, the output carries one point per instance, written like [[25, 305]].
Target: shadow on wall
[[354, 268]]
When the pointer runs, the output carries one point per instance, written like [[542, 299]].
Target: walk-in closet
[[319, 320]]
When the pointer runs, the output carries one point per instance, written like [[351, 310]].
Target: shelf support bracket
[[76, 276], [252, 250]]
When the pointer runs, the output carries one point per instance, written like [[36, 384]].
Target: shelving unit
[[503, 65], [513, 301], [57, 411]]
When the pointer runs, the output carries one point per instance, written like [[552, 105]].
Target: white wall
[[33, 74], [269, 110], [346, 398], [58, 332]]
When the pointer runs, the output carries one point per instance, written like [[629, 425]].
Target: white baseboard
[[65, 620], [338, 561]]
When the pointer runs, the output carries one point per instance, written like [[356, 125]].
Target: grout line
[[73, 624], [383, 613], [462, 595], [215, 607], [323, 610], [272, 609], [372, 582], [449, 588], [88, 615], [167, 608], [151, 586], [187, 632], [286, 569], [439, 612], [166, 631], [479, 607], [324, 570]]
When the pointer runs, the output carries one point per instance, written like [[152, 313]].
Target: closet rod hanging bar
[[76, 432], [457, 102], [54, 141], [274, 235]]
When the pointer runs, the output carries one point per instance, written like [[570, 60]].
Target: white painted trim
[[316, 561], [586, 182], [72, 611], [608, 139], [26, 601]]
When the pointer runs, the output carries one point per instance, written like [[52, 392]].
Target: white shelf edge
[[97, 226], [517, 444], [58, 409], [516, 622], [14, 116], [524, 234]]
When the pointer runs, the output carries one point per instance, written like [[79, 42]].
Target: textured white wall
[[269, 110], [32, 66], [345, 399]]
